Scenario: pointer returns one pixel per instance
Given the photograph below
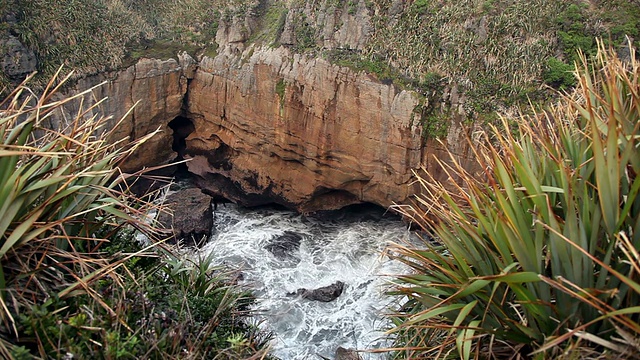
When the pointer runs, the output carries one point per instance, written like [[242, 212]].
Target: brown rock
[[275, 127], [332, 138], [192, 217], [347, 354], [155, 87]]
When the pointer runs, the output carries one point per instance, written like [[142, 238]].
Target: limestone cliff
[[299, 131], [261, 124], [270, 126], [155, 87], [309, 104]]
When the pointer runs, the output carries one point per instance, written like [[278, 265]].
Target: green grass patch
[[281, 86], [271, 24], [159, 49]]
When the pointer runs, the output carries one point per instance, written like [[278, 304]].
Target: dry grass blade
[[74, 280], [558, 202], [57, 189]]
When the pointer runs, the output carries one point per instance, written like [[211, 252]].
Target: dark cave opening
[[359, 212], [182, 127]]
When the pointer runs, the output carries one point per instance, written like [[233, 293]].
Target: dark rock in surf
[[347, 354], [284, 246], [324, 294], [192, 218]]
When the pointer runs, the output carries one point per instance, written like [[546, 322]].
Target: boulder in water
[[324, 294], [192, 218], [347, 354], [283, 246]]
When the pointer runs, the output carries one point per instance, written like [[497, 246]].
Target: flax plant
[[74, 282], [58, 188], [536, 253]]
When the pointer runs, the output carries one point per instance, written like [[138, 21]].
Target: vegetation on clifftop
[[498, 54], [535, 254], [91, 36], [74, 281]]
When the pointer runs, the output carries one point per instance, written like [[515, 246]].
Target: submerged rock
[[284, 246], [347, 354], [192, 218], [324, 294]]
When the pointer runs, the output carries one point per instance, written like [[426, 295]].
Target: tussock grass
[[537, 253], [494, 51], [92, 36], [73, 279]]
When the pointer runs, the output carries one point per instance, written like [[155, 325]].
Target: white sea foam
[[330, 250]]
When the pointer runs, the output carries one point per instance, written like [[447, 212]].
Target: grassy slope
[[528, 45], [500, 53], [97, 35]]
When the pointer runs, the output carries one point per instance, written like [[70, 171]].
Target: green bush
[[73, 280], [281, 87], [536, 253], [559, 74], [421, 7]]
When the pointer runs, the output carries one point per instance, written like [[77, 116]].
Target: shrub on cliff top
[[67, 288], [539, 251]]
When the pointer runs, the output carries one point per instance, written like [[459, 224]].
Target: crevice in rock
[[219, 158], [360, 212], [182, 127], [329, 199], [221, 188]]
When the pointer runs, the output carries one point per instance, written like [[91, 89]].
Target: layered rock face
[[299, 131], [269, 126], [265, 125], [140, 100]]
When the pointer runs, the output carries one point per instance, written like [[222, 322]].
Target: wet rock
[[284, 246], [347, 354], [324, 294], [353, 213], [18, 60], [192, 218]]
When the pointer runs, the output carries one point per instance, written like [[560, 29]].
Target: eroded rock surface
[[155, 87], [269, 126], [191, 217], [18, 61], [299, 131]]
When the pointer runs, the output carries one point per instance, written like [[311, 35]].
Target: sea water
[[347, 246]]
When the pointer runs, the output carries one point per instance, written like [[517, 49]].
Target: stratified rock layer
[[299, 131], [141, 99], [268, 126]]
